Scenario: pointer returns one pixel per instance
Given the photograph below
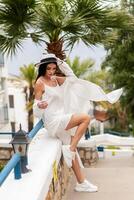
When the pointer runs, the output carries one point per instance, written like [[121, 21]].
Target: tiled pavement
[[114, 177]]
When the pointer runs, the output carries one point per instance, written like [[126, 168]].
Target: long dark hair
[[42, 68]]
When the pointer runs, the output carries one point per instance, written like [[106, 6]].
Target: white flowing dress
[[72, 97]]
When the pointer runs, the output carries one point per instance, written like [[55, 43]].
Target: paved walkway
[[114, 177]]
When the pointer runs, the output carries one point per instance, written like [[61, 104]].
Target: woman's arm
[[38, 90], [39, 105], [60, 79], [64, 67]]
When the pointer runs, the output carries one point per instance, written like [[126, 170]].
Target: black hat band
[[48, 60]]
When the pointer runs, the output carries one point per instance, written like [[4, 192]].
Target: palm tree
[[28, 73], [80, 68], [57, 23]]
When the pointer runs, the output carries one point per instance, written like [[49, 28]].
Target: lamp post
[[20, 143]]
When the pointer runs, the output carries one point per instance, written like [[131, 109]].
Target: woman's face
[[51, 69]]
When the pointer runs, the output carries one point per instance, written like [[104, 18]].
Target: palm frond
[[10, 45], [89, 8], [101, 78], [16, 17], [37, 37], [80, 67], [51, 21], [117, 19], [95, 23], [89, 39], [28, 73], [17, 13], [74, 25]]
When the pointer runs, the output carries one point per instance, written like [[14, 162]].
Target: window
[[13, 126], [11, 101]]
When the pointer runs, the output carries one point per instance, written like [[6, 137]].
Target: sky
[[32, 53]]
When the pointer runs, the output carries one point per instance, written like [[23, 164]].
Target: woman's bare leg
[[82, 121], [77, 170]]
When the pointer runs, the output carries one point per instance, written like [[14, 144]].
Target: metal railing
[[37, 127], [15, 161]]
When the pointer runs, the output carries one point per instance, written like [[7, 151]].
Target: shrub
[[1, 167]]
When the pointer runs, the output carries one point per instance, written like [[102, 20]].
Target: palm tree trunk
[[56, 48], [30, 120], [30, 110]]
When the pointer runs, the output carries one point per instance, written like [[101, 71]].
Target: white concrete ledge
[[106, 139], [4, 140], [43, 151]]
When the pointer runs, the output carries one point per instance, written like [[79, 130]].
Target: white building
[[12, 101], [4, 117], [17, 103]]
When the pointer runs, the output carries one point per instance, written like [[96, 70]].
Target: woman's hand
[[59, 61], [42, 104], [53, 78]]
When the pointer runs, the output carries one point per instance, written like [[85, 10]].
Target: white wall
[[3, 93], [18, 114]]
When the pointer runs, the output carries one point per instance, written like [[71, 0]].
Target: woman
[[61, 102]]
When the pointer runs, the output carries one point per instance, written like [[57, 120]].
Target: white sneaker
[[68, 155], [86, 186]]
